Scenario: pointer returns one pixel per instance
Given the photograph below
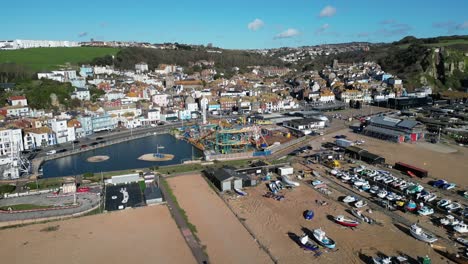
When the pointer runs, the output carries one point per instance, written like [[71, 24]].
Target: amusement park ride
[[224, 138]]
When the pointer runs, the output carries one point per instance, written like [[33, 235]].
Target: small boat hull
[[346, 222], [240, 192]]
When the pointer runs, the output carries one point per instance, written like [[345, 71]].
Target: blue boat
[[323, 240], [411, 206], [307, 243]]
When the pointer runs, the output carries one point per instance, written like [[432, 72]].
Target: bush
[[88, 175], [7, 188]]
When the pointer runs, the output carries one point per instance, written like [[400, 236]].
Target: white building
[[154, 114], [38, 137], [114, 95], [81, 94], [125, 112], [17, 101], [26, 44], [11, 141], [141, 67], [103, 70], [16, 111], [160, 100], [63, 133]]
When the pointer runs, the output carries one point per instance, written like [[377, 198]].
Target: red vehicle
[[84, 146], [83, 189]]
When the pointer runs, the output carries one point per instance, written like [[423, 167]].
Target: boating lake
[[122, 156]]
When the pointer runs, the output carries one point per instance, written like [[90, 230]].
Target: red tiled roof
[[16, 97]]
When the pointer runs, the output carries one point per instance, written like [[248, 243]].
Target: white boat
[[452, 207], [425, 210], [449, 220], [379, 260], [382, 194], [461, 228], [307, 243], [443, 203], [345, 177], [240, 192], [360, 204], [273, 187], [374, 189], [430, 197], [349, 199], [463, 241], [366, 187], [388, 180], [289, 182], [403, 186], [279, 184], [422, 235], [323, 240], [391, 196], [360, 182], [360, 216], [372, 173]]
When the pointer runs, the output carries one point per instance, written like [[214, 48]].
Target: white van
[[51, 152]]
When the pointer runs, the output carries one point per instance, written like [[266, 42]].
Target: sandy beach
[[277, 224], [226, 240], [132, 236]]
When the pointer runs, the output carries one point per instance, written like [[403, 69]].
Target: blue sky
[[233, 24]]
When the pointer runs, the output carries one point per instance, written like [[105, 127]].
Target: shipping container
[[285, 171], [341, 142], [406, 168]]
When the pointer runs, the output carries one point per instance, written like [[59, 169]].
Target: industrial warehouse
[[394, 129]]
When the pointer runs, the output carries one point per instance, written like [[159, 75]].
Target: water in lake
[[122, 156]]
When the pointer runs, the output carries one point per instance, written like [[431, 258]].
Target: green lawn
[[7, 188], [19, 207], [46, 59]]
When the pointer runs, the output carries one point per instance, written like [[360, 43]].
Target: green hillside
[[46, 59]]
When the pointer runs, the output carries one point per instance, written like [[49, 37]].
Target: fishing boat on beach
[[346, 222], [360, 204], [323, 240], [349, 199], [358, 214], [307, 243], [273, 187], [240, 192], [417, 232], [289, 182]]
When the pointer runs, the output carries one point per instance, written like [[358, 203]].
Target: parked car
[[99, 138], [94, 143], [51, 152], [76, 141], [84, 146]]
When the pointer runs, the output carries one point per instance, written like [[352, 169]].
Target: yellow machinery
[[333, 164]]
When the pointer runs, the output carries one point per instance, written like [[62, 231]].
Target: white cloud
[[289, 33], [328, 11], [464, 25], [82, 34], [256, 24]]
